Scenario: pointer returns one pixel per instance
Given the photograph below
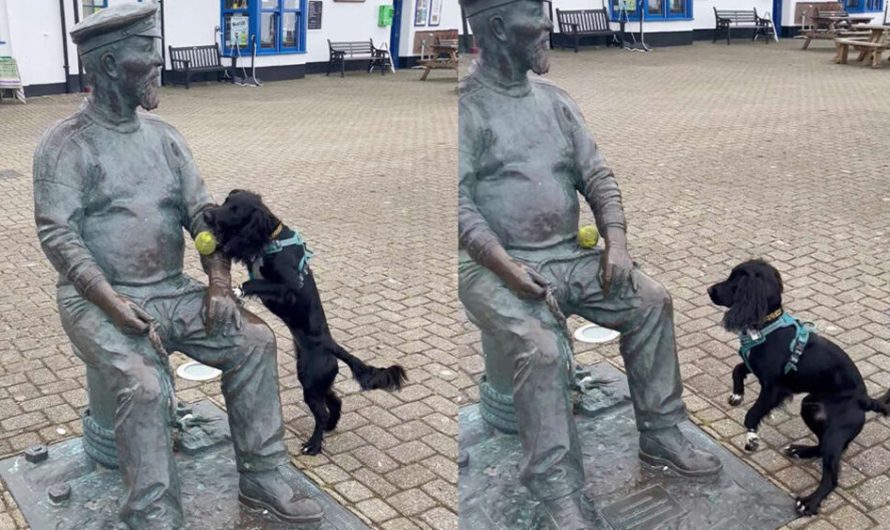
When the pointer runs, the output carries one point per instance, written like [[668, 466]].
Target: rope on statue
[[553, 305], [164, 361]]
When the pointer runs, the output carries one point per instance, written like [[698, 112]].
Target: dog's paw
[[238, 292], [735, 400], [311, 448], [807, 506], [752, 442], [802, 452]]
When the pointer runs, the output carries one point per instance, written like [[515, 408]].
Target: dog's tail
[[880, 405], [371, 377]]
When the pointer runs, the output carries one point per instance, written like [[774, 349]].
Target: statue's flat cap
[[115, 24], [473, 7]]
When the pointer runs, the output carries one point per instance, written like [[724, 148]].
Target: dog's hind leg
[[814, 415], [739, 373], [320, 412], [841, 427], [334, 405]]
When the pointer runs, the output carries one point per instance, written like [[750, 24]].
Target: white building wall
[[703, 10], [33, 32]]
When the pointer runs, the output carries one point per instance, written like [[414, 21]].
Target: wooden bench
[[343, 51], [874, 45], [728, 19], [830, 25], [576, 24], [189, 60], [443, 57]]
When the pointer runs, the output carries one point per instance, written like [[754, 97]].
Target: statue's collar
[[492, 80], [104, 118]]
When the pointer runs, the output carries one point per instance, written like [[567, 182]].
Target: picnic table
[[873, 45], [443, 56], [832, 25]]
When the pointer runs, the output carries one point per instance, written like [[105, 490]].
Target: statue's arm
[[60, 178], [196, 200], [474, 234], [598, 185]]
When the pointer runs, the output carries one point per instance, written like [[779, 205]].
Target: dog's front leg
[[259, 288], [769, 398], [739, 373]]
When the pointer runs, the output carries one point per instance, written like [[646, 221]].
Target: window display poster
[[421, 12], [239, 30], [435, 12]]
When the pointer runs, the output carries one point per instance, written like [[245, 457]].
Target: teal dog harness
[[277, 245], [753, 337]]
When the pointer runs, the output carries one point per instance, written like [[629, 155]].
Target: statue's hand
[[615, 270], [220, 308], [129, 317], [526, 282]]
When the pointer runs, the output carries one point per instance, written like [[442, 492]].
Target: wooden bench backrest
[[447, 42], [197, 56], [587, 20], [352, 48], [833, 14], [735, 16]]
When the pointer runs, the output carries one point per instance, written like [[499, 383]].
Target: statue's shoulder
[[58, 138], [546, 86], [159, 124], [468, 87]]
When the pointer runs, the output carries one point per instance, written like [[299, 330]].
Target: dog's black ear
[[259, 226], [750, 303], [779, 281]]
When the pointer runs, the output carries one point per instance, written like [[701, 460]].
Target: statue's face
[[527, 30], [139, 71]]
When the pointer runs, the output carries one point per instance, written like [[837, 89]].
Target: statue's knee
[[144, 388], [544, 351], [256, 333], [656, 295]]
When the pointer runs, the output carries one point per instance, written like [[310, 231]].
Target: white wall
[[34, 35], [346, 21]]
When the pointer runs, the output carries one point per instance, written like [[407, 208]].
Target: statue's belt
[[753, 337]]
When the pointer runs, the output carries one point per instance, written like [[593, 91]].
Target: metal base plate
[[208, 478], [626, 493]]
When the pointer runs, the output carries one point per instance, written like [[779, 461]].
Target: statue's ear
[[498, 28], [109, 65]]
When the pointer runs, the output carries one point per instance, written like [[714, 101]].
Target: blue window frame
[[93, 6], [864, 6], [655, 9], [279, 26]]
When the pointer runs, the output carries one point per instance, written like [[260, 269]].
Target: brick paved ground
[[728, 152], [365, 167]]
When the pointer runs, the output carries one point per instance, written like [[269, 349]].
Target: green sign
[[384, 16]]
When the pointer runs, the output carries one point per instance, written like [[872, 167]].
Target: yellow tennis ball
[[205, 243], [588, 236]]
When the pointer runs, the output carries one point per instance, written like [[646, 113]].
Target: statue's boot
[[566, 513], [267, 490], [668, 447]]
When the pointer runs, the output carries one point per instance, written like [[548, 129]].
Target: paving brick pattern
[[365, 167], [751, 150]]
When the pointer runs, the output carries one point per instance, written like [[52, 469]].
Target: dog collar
[[772, 316], [277, 231], [754, 337]]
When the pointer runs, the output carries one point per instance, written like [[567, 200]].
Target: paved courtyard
[[751, 150], [722, 152]]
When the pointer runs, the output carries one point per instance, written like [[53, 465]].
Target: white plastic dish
[[195, 371], [593, 334]]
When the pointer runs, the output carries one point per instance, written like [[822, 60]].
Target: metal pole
[[74, 7], [64, 22]]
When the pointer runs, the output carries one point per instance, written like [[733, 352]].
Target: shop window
[[656, 9], [278, 26], [864, 6], [93, 6]]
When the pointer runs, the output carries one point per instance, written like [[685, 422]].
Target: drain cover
[[594, 334], [195, 371], [643, 510]]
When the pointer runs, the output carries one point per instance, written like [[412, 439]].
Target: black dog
[[280, 277], [786, 361]]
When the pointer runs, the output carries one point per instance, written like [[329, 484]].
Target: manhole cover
[[643, 510], [591, 333], [195, 371]]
